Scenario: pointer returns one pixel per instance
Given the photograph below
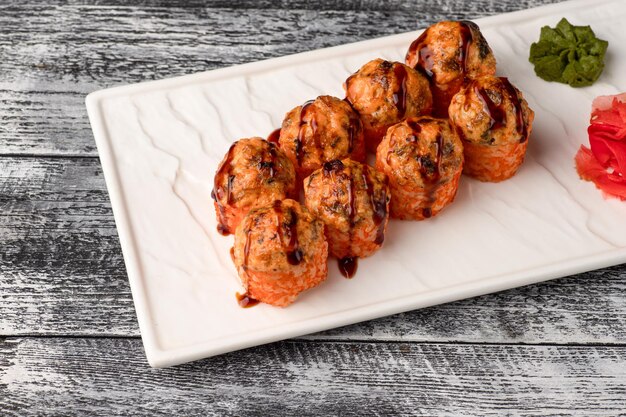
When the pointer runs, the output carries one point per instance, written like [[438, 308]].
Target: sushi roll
[[352, 199], [423, 158], [384, 93], [280, 250], [253, 173], [494, 122], [450, 53], [321, 130]]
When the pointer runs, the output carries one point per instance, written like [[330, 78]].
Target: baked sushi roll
[[449, 53], [384, 93], [423, 158], [321, 130], [280, 250], [352, 199], [494, 122], [253, 173]]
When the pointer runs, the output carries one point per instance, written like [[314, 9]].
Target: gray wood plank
[[52, 56], [62, 272], [110, 377], [61, 268], [440, 6]]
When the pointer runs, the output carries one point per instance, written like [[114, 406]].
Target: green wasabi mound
[[568, 54]]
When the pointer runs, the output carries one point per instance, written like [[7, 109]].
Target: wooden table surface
[[69, 341]]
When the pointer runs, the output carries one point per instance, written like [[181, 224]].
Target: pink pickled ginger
[[605, 163]]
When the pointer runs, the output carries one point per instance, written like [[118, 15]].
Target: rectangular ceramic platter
[[160, 143]]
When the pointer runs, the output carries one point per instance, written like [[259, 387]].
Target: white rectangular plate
[[160, 143]]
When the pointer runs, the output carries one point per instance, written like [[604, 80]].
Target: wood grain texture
[[111, 378], [62, 272], [556, 348], [52, 56], [441, 6], [61, 268]]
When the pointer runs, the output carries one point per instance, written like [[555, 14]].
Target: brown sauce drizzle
[[460, 132], [521, 126], [353, 129], [439, 141], [274, 136], [218, 193], [270, 165], [332, 166], [246, 250], [379, 209], [399, 96], [415, 126], [245, 301], [348, 266], [417, 129], [426, 56], [292, 250], [497, 113], [466, 41], [434, 181], [353, 124], [301, 132], [352, 208]]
